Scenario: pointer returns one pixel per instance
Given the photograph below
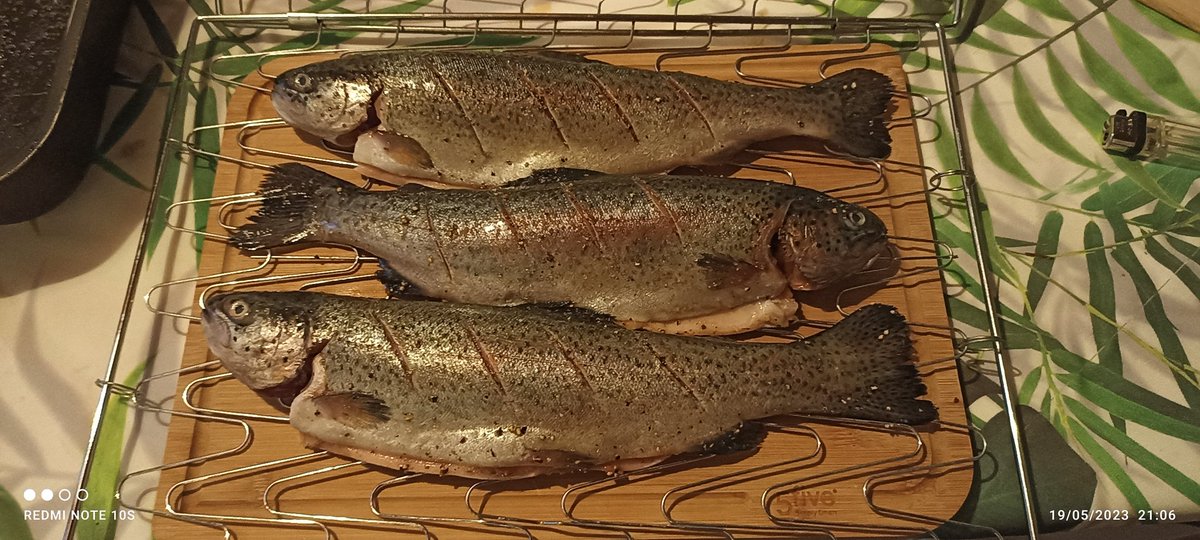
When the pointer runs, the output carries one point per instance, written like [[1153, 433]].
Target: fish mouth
[[877, 246], [872, 253], [870, 264], [216, 328]]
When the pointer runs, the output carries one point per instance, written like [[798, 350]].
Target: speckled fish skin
[[506, 392], [484, 119], [653, 248]]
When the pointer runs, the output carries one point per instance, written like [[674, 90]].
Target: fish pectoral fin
[[394, 153], [355, 409], [553, 176], [723, 271], [747, 436]]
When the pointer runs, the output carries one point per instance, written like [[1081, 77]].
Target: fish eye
[[854, 219], [238, 310], [301, 82]]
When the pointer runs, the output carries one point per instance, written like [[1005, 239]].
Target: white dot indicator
[[30, 494], [47, 494]]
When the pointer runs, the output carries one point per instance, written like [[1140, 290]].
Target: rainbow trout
[[482, 119], [697, 255], [495, 392]]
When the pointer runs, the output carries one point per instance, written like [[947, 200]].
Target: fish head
[[823, 240], [329, 99], [265, 340]]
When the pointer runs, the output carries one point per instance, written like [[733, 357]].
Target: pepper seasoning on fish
[[680, 254], [483, 119], [491, 392]]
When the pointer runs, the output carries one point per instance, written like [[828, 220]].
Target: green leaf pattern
[[12, 519], [1086, 241], [106, 472]]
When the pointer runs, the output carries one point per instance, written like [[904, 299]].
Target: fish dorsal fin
[[723, 271], [571, 311], [554, 176], [354, 409]]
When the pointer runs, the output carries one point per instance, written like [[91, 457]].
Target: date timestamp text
[[1111, 515]]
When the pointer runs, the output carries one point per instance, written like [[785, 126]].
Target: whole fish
[[477, 118], [701, 255], [492, 392]]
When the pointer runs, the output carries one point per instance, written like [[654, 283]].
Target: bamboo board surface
[[826, 495], [1182, 11]]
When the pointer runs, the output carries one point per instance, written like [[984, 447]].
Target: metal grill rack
[[262, 31]]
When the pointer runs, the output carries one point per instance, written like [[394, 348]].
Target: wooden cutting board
[[1182, 11], [828, 484]]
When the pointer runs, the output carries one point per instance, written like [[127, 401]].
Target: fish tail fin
[[860, 122], [292, 198], [872, 352]]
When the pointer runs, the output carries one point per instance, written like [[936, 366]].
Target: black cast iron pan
[[56, 60]]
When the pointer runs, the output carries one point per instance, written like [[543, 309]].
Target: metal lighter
[[1138, 135]]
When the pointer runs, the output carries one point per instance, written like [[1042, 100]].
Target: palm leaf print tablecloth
[[1097, 258]]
